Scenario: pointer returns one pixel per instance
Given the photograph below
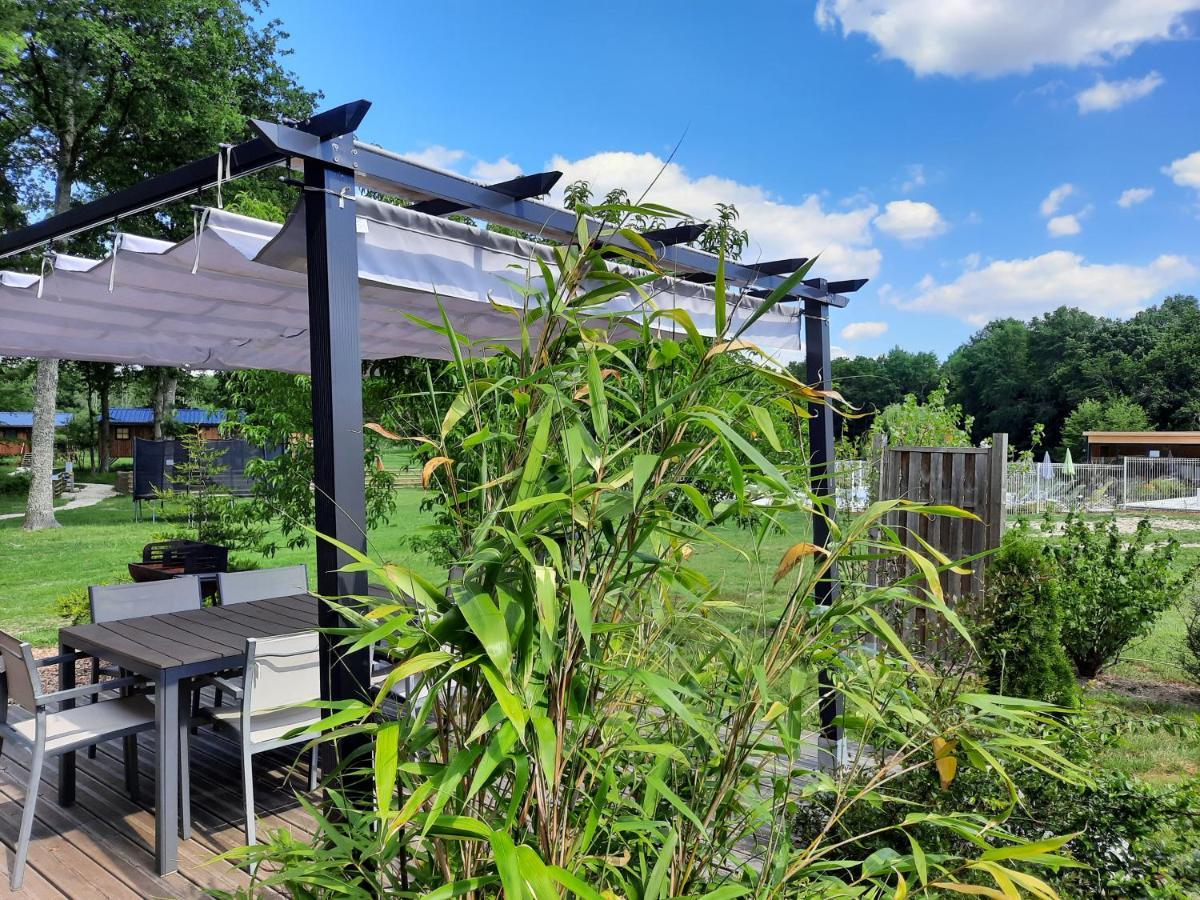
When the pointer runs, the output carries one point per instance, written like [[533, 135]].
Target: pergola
[[326, 290]]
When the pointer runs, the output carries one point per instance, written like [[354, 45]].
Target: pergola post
[[336, 365], [817, 357]]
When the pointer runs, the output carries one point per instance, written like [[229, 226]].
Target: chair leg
[[91, 751], [217, 700], [312, 768], [248, 792], [132, 782], [31, 795], [195, 710], [185, 783]]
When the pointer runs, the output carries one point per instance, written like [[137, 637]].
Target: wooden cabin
[[129, 422], [1106, 445], [16, 431]]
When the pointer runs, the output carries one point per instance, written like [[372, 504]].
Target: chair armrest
[[61, 658], [235, 690], [87, 690]]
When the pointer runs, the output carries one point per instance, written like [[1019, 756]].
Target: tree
[[102, 93], [871, 383], [934, 423], [1114, 414]]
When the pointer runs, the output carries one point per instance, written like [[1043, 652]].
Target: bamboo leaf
[[432, 466], [581, 610], [387, 742], [487, 623], [794, 554]]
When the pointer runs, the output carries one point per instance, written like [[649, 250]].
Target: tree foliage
[[1018, 624], [1113, 588], [1114, 414]]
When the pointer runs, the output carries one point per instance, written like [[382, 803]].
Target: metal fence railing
[[1134, 483], [1157, 483]]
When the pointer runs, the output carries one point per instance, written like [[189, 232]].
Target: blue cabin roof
[[25, 419], [184, 415]]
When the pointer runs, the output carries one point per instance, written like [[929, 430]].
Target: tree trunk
[[105, 427], [91, 423], [164, 400], [39, 508]]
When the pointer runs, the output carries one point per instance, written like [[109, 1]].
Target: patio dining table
[[166, 650]]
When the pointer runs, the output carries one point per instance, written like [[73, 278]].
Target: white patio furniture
[[282, 673], [247, 587], [49, 734]]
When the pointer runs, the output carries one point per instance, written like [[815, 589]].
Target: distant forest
[[1012, 375]]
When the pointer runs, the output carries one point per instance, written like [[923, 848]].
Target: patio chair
[[50, 734], [261, 584], [246, 587], [281, 673], [112, 602]]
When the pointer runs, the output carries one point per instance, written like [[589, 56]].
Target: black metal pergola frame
[[334, 164]]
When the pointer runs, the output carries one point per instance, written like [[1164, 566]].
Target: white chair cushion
[[90, 723], [266, 726]]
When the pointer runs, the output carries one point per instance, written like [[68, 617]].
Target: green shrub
[[74, 605], [1132, 839], [594, 716], [14, 485], [1113, 588], [1018, 625], [1189, 658]]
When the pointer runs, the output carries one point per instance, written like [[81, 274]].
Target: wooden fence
[[970, 478]]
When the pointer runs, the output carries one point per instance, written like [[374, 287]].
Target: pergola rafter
[[335, 167]]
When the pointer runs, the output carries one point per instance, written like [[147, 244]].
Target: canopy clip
[[346, 193], [224, 169], [199, 221], [47, 268], [112, 269]]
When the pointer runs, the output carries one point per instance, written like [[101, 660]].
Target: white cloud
[[972, 260], [857, 331], [994, 37], [914, 179], [437, 157], [1063, 226], [910, 220], [777, 229], [1185, 172], [502, 169], [1027, 287], [1133, 196], [1104, 96], [1055, 198]]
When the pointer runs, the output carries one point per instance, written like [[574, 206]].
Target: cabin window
[[122, 434]]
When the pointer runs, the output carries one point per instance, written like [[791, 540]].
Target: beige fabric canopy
[[234, 295]]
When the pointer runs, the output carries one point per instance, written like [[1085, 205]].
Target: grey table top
[[196, 641]]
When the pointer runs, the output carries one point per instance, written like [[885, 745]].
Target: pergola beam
[[520, 188], [231, 162]]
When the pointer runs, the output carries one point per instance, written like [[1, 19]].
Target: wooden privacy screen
[[971, 478]]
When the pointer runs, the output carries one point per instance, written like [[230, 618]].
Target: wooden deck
[[103, 846]]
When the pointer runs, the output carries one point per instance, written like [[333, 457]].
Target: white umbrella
[[1046, 469]]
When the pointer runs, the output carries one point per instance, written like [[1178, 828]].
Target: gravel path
[[83, 495]]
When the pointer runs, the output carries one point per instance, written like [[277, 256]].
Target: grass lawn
[[95, 544]]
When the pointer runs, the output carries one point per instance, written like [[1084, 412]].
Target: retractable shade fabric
[[235, 296]]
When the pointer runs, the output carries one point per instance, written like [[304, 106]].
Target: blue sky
[[970, 156]]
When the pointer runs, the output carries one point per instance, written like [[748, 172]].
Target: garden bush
[[1018, 624], [1112, 587], [14, 484], [1132, 839], [593, 716]]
